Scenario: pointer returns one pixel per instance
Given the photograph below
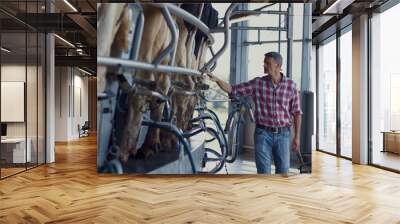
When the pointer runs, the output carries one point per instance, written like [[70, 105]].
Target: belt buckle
[[275, 130]]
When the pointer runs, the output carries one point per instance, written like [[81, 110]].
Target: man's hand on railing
[[226, 87]]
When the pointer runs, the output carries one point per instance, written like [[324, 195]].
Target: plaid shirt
[[274, 105]]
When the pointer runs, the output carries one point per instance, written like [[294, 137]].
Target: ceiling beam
[[83, 61]]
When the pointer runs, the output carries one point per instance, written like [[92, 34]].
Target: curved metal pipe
[[227, 39], [223, 150], [188, 18], [138, 33], [171, 48], [143, 91], [190, 133], [213, 66], [178, 133], [132, 65], [251, 12], [115, 166], [185, 92]]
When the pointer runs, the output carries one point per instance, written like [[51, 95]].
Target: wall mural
[[163, 110]]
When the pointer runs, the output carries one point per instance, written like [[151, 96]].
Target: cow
[[193, 44], [113, 22], [155, 38], [184, 58], [210, 18]]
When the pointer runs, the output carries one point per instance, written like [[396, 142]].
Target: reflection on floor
[[387, 159], [71, 191], [10, 169]]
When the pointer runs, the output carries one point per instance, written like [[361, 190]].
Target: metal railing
[[168, 9]]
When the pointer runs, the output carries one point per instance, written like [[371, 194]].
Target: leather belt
[[273, 129]]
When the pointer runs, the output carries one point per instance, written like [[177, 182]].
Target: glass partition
[[14, 153], [22, 88], [385, 85]]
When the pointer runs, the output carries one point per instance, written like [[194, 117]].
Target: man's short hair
[[274, 55]]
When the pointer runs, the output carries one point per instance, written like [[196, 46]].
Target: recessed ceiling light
[[5, 49], [64, 40], [86, 72], [70, 5]]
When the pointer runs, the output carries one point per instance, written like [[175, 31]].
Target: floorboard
[[70, 191]]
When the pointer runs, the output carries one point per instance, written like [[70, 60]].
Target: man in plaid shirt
[[277, 105]]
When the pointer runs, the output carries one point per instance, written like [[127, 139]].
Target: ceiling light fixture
[[79, 51], [70, 5], [86, 72], [5, 50], [65, 41]]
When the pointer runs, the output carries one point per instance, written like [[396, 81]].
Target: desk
[[391, 141], [13, 150]]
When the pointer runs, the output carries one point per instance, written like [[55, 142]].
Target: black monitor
[[3, 129]]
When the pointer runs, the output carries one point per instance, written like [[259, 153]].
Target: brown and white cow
[[183, 104], [210, 18], [155, 38], [185, 57], [113, 22]]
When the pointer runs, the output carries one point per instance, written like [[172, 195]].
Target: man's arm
[[242, 89], [221, 83], [295, 110], [297, 126]]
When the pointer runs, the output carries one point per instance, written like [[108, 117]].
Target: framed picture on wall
[[12, 101]]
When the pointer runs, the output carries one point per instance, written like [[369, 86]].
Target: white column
[[50, 99], [360, 90], [50, 93]]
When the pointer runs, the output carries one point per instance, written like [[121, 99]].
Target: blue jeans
[[270, 145]]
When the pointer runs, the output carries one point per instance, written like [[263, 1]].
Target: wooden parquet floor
[[70, 191]]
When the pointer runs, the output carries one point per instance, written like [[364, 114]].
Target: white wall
[[12, 73], [71, 94], [61, 103], [33, 126], [80, 89], [16, 73]]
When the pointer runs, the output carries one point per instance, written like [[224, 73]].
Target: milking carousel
[[153, 94]]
